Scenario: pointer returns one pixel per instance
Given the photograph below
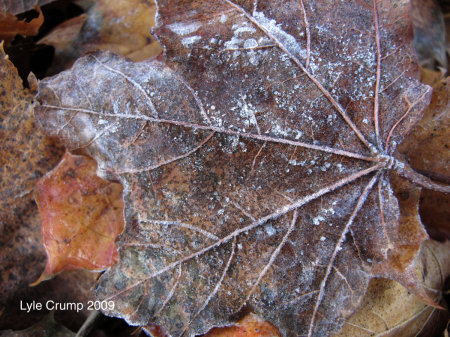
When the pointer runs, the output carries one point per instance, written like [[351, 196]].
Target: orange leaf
[[10, 26], [82, 215], [249, 326]]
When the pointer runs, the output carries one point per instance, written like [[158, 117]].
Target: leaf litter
[[255, 159]]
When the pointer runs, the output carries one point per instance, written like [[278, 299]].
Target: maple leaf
[[254, 160], [82, 215]]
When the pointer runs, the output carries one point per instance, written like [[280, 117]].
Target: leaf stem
[[88, 324], [407, 172]]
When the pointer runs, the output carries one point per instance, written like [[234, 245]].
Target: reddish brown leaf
[[82, 215], [10, 26], [255, 160]]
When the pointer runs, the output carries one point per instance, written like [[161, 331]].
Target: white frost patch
[[244, 29], [189, 41], [269, 230], [182, 29], [284, 38], [223, 18], [247, 112], [233, 43], [250, 43], [318, 219]]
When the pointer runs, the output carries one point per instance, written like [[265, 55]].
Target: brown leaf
[[254, 161], [82, 215], [10, 26], [25, 155], [390, 310]]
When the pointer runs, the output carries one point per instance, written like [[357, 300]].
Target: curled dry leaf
[[255, 160], [122, 27], [82, 215], [390, 310], [119, 26], [10, 26], [427, 148]]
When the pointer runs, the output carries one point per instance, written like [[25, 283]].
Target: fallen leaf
[[122, 27], [390, 310], [427, 149], [17, 7], [254, 160], [63, 35], [119, 26], [82, 215], [10, 26]]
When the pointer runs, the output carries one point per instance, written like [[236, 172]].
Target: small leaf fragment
[[82, 215]]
